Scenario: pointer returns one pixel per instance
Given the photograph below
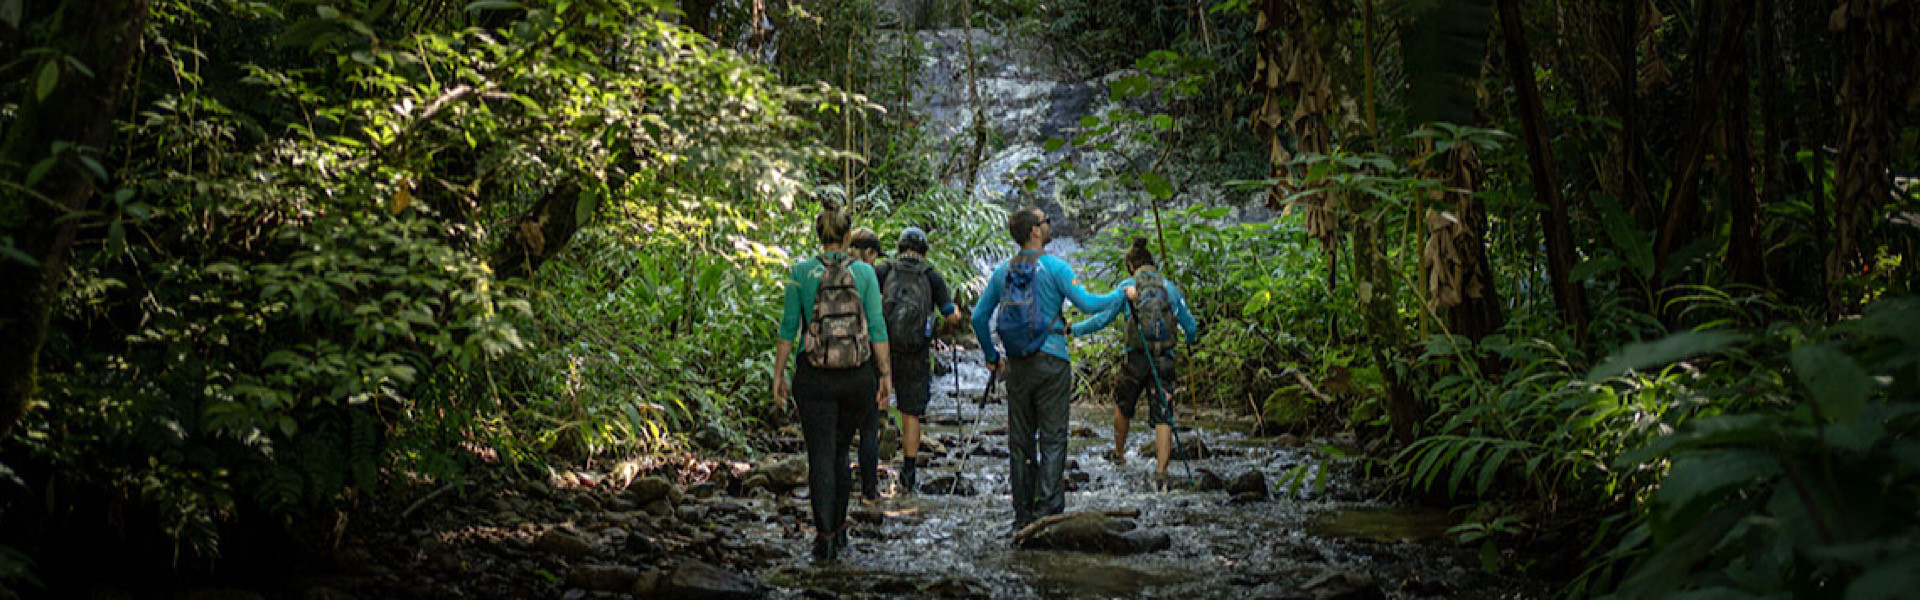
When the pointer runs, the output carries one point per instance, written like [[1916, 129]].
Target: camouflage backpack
[[1153, 322], [837, 333]]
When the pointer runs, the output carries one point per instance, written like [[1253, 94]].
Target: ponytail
[[1139, 255], [833, 224]]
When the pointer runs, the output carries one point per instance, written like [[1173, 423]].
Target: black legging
[[832, 404]]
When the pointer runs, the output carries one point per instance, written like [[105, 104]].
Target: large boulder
[[563, 544], [698, 581], [1092, 532], [778, 475], [608, 578], [1249, 486], [648, 489]]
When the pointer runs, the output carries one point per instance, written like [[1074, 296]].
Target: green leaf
[[1089, 121], [49, 78], [1259, 301], [1833, 379], [493, 5], [1162, 121], [1054, 144], [1156, 185], [1697, 476], [1671, 348], [584, 207]]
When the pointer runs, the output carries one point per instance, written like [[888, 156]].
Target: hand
[[1133, 294], [886, 391], [997, 365], [780, 394]]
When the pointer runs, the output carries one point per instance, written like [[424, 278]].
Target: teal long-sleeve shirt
[[1057, 285], [1180, 312], [804, 281]]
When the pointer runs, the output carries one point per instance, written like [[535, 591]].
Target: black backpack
[[1153, 322], [906, 302]]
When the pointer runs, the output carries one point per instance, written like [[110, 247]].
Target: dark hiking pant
[[1039, 393], [869, 450], [832, 404], [1137, 381]]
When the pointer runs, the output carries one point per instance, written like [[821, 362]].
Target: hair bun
[[1139, 243], [829, 204]]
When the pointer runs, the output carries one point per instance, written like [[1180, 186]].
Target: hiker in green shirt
[[843, 374]]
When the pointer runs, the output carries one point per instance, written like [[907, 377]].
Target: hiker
[[912, 289], [1028, 290], [1156, 310], [843, 371], [864, 245]]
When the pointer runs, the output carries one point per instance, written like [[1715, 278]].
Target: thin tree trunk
[[104, 35], [1567, 293], [1746, 259]]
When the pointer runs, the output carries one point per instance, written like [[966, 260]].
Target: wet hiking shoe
[[1162, 483], [1116, 457], [823, 549], [908, 479]]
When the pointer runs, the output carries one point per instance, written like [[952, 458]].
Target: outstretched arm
[[1079, 296], [1103, 318]]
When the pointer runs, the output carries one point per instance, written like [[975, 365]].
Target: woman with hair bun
[[843, 374], [1148, 370]]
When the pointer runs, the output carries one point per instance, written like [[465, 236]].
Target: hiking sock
[[907, 476]]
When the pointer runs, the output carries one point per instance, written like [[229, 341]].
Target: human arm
[[781, 349], [1070, 288], [1103, 318], [868, 285], [784, 339], [983, 315], [943, 297], [1181, 312]]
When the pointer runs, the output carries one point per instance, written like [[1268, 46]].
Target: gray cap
[[913, 237]]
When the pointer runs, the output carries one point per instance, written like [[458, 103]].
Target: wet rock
[[1343, 584], [889, 442], [1288, 440], [692, 513], [1084, 432], [219, 594], [994, 451], [698, 581], [948, 485], [641, 544], [321, 592], [705, 489], [778, 475], [935, 445], [870, 516], [562, 544], [1189, 448], [660, 508], [608, 578], [1209, 482], [574, 595], [956, 587], [1252, 484], [995, 431], [648, 489], [1091, 532]]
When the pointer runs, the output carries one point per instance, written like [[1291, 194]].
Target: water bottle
[[928, 331]]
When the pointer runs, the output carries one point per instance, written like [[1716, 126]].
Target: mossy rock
[[1287, 407]]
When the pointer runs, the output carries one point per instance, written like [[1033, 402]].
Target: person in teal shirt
[[1136, 379], [1039, 385], [832, 402]]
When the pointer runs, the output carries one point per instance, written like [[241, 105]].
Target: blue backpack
[[1023, 330]]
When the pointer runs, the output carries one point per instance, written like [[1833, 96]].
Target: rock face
[[698, 581], [948, 485], [1094, 532]]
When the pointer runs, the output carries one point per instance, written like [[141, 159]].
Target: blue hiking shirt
[[1173, 293], [1056, 285]]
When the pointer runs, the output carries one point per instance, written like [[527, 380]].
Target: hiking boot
[[840, 541], [1115, 456], [908, 478], [823, 549]]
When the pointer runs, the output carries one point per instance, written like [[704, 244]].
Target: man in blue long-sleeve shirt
[[1149, 366], [1039, 384]]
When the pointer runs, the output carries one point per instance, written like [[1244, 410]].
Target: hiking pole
[[1166, 400]]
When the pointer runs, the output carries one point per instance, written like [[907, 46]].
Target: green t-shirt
[[804, 280]]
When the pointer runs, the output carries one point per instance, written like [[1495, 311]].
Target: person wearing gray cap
[[911, 290]]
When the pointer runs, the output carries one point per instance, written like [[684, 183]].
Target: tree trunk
[[77, 111], [1567, 293], [541, 233], [1746, 255], [1374, 285], [1878, 50]]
